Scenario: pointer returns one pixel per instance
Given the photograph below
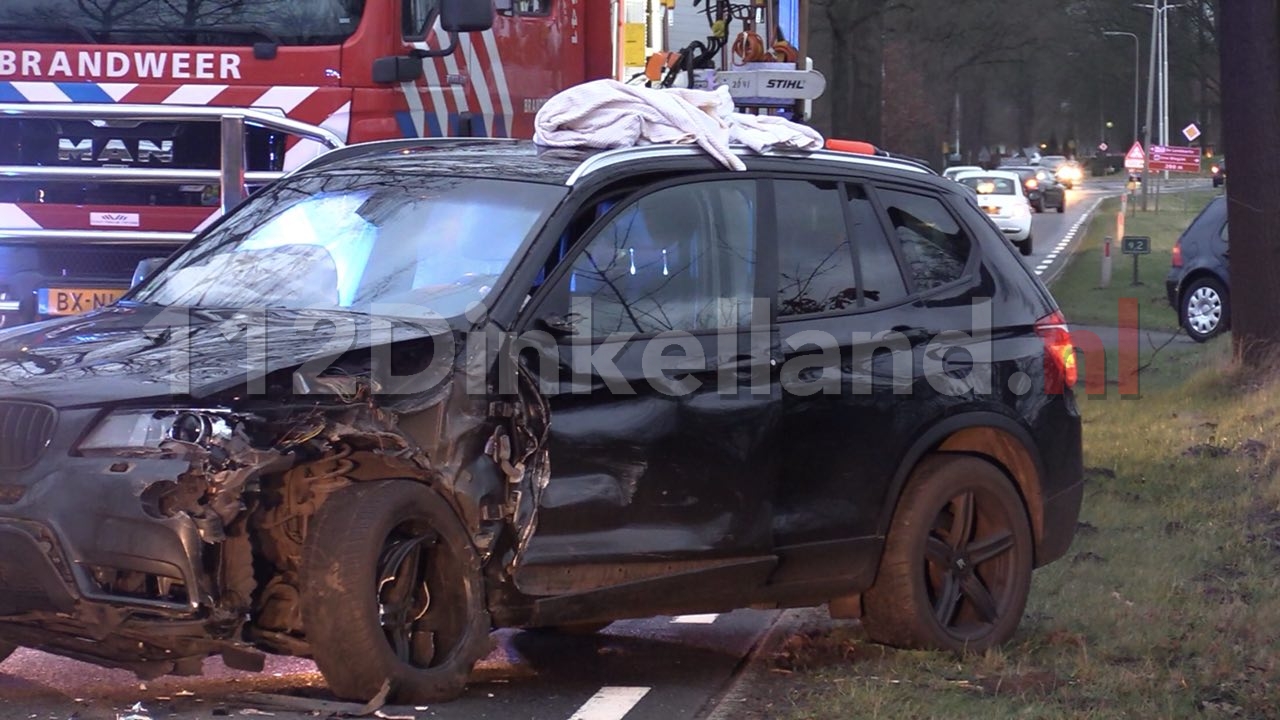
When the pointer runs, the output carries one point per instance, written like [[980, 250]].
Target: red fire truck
[[126, 125]]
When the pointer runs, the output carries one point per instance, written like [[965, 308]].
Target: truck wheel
[[1205, 312], [957, 564], [392, 592]]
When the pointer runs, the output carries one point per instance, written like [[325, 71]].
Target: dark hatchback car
[[1198, 283], [420, 390], [1042, 188]]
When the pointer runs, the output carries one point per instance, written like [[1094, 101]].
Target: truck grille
[[25, 432], [94, 262]]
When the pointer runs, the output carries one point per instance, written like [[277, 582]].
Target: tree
[[1250, 51]]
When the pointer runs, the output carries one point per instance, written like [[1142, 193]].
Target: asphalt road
[[655, 669]]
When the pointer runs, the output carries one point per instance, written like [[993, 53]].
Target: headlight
[[147, 429]]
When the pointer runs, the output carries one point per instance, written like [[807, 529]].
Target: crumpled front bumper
[[67, 522]]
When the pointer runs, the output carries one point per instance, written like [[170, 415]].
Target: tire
[[1206, 310], [362, 539], [1039, 206], [1062, 206], [1027, 246], [904, 606]]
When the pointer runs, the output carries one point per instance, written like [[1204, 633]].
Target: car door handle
[[915, 334]]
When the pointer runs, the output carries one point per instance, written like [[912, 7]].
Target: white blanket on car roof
[[610, 114]]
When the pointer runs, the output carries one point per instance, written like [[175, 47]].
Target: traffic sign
[[1104, 147], [1135, 245], [1135, 159], [1175, 159], [1191, 132]]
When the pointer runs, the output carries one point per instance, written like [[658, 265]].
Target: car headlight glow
[[148, 429]]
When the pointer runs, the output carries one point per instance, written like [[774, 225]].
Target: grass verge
[[1167, 604], [1094, 305]]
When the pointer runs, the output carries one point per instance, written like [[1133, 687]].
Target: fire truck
[[126, 126]]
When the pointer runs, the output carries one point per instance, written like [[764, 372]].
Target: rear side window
[[815, 262], [936, 250]]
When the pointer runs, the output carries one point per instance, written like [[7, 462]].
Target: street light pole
[[1151, 105], [1137, 72]]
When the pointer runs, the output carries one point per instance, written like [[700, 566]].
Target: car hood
[[136, 353]]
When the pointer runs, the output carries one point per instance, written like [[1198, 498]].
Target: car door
[[837, 275], [656, 470], [882, 272]]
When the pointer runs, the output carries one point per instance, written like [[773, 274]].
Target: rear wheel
[[1026, 246], [392, 592], [1062, 205], [957, 563], [1205, 311]]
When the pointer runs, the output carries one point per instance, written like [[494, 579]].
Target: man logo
[[115, 151]]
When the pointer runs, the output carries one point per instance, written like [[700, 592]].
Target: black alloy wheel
[[957, 564]]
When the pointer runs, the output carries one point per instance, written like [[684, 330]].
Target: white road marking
[[610, 703], [694, 619]]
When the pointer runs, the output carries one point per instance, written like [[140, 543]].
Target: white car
[[1001, 196], [951, 172]]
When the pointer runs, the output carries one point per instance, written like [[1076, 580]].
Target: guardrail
[[231, 176]]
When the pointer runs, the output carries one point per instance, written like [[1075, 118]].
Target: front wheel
[[1205, 311], [392, 592], [957, 564]]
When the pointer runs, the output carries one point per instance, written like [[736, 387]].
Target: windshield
[[356, 241], [180, 22], [990, 185]]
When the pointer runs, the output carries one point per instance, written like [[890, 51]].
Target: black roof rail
[[376, 147]]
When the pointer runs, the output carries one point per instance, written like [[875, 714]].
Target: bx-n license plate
[[73, 301]]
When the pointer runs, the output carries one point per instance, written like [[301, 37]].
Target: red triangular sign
[[1135, 153]]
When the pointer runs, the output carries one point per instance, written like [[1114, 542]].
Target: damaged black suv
[[420, 390]]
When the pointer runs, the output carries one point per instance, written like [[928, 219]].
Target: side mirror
[[459, 16], [145, 269]]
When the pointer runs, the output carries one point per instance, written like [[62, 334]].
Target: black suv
[[423, 389], [1198, 283]]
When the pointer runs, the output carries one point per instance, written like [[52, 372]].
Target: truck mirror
[[459, 16]]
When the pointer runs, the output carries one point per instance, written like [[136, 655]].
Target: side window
[[414, 16], [523, 7], [933, 245], [882, 282], [682, 258], [815, 264]]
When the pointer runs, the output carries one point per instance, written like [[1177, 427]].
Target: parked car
[[418, 390], [1219, 171], [1001, 197], [1198, 283], [1042, 189], [951, 172]]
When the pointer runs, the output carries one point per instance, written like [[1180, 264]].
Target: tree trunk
[[1250, 50]]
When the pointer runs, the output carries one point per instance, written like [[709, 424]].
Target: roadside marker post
[[1106, 262]]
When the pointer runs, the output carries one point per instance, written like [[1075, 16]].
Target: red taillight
[[1177, 254], [1060, 370], [1032, 184]]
